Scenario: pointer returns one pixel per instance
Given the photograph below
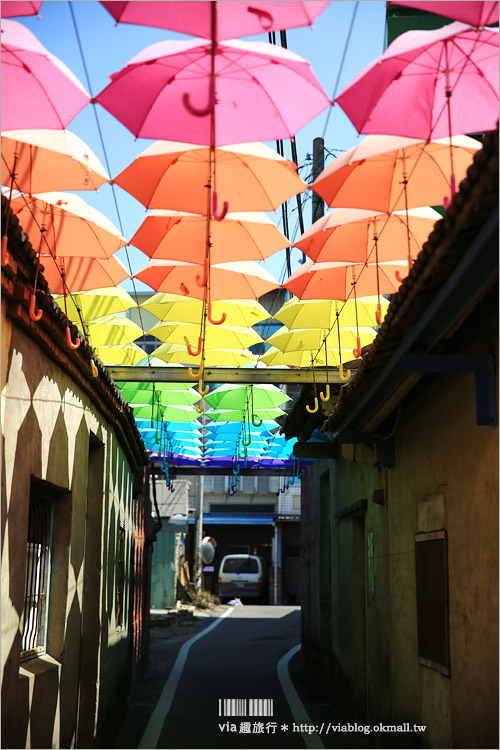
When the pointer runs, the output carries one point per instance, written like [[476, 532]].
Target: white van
[[242, 576]]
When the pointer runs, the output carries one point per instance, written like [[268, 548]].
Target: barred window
[[120, 576], [36, 590], [431, 565]]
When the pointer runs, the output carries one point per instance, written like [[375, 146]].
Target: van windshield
[[241, 565]]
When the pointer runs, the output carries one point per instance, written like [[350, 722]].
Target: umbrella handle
[[211, 320], [202, 280], [256, 421], [326, 395], [344, 376], [316, 406], [245, 454], [357, 350], [225, 208], [203, 391], [34, 315], [378, 314], [201, 408], [232, 492], [247, 442], [93, 367], [236, 473], [69, 342], [398, 275], [195, 376], [190, 349], [202, 111], [262, 14]]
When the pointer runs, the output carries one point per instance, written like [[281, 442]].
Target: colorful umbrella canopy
[[243, 279], [314, 313], [46, 160], [232, 19], [348, 234], [258, 396], [221, 337], [310, 339], [475, 14], [38, 90], [14, 8], [276, 358], [70, 227], [250, 176], [173, 425], [240, 415], [403, 92], [82, 274], [171, 82], [213, 357], [244, 313], [335, 281], [167, 413], [95, 304], [371, 175], [162, 398], [120, 354], [131, 386], [174, 235], [113, 329]]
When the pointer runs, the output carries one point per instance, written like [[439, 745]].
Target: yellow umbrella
[[120, 354], [308, 339], [243, 312], [96, 303], [172, 353], [113, 329], [322, 313], [221, 337], [276, 358]]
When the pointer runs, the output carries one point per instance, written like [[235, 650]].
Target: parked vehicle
[[243, 576]]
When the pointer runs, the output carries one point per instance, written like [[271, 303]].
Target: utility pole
[[318, 204], [199, 534]]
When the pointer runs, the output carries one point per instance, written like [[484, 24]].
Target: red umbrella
[[335, 281], [82, 274], [233, 17], [38, 90], [475, 14], [13, 8]]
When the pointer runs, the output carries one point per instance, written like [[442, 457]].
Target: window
[[241, 565], [36, 590], [431, 565], [120, 576]]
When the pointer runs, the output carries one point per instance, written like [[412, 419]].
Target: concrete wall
[[359, 601], [51, 431]]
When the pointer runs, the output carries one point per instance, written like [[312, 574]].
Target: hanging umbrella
[[13, 8], [233, 19], [96, 303], [70, 227], [240, 415], [167, 307], [477, 13], [250, 176], [82, 274], [38, 90], [335, 281], [244, 279], [355, 235], [213, 357], [372, 175], [276, 358], [130, 386], [120, 354], [173, 425], [46, 160], [428, 84], [113, 329], [167, 413], [174, 235], [163, 398], [313, 313], [221, 337], [236, 396], [311, 339], [171, 82]]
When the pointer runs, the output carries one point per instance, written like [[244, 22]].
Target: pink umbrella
[[38, 90], [14, 8], [473, 13], [251, 90], [428, 84], [233, 17]]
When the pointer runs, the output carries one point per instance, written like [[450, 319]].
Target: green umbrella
[[254, 397], [164, 398], [130, 385], [235, 415], [166, 413]]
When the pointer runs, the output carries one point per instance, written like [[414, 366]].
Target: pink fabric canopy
[[474, 13], [14, 8]]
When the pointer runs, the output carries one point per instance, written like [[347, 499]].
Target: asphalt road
[[182, 704]]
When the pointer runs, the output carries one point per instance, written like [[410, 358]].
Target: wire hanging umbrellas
[[335, 281], [95, 304], [260, 396], [315, 313], [221, 337], [243, 312]]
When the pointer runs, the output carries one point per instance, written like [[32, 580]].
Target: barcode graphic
[[246, 707]]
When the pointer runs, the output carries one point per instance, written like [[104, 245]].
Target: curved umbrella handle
[[326, 395], [211, 320], [93, 367], [357, 350], [225, 208], [157, 439], [203, 391], [201, 406], [200, 111], [245, 454], [197, 375], [236, 471], [256, 421], [344, 376], [202, 280], [265, 18], [34, 315], [283, 489], [172, 488], [69, 342], [191, 351], [316, 406], [378, 314], [232, 492], [247, 442]]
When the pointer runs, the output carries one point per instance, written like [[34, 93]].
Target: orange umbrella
[[174, 235], [70, 227], [335, 280], [82, 274], [242, 280], [250, 176], [355, 235], [372, 175], [44, 160]]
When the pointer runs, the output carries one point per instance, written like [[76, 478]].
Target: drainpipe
[[199, 534]]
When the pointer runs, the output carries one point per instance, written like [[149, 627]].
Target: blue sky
[[107, 47]]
